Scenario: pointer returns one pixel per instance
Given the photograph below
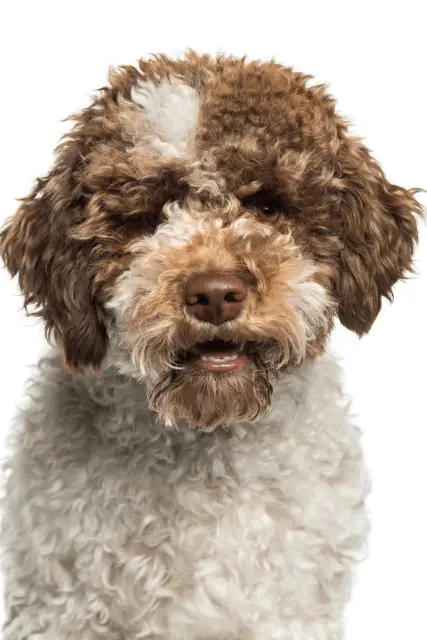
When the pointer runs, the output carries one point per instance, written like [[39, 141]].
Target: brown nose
[[215, 298]]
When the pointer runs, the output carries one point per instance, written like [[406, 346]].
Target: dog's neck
[[105, 416], [115, 391]]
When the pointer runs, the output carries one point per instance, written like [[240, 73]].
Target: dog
[[187, 466]]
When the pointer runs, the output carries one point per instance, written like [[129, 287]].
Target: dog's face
[[203, 223]]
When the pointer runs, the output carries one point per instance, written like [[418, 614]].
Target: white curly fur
[[120, 528], [171, 110]]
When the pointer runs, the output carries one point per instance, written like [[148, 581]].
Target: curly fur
[[146, 497], [118, 528]]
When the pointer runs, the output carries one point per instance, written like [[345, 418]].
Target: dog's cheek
[[294, 293]]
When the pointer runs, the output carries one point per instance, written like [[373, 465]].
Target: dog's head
[[204, 221]]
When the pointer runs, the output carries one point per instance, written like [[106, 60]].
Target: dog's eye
[[264, 203], [268, 209]]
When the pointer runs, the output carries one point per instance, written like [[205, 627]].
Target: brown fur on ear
[[64, 276], [379, 236], [53, 269], [68, 241]]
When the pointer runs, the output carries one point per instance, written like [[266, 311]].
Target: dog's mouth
[[219, 355]]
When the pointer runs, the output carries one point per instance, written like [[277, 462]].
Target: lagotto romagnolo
[[186, 468]]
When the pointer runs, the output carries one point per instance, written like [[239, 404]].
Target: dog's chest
[[155, 529], [229, 534]]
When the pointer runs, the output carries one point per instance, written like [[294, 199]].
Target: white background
[[373, 56]]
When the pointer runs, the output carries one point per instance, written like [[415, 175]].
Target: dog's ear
[[379, 228], [52, 266]]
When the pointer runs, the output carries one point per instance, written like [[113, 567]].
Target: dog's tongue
[[219, 356]]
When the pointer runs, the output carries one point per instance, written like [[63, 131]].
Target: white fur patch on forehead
[[171, 110]]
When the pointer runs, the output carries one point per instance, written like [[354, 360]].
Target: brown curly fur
[[265, 136]]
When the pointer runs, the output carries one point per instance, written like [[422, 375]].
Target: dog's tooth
[[221, 359]]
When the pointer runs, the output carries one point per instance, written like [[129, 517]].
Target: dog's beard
[[203, 399], [180, 391]]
